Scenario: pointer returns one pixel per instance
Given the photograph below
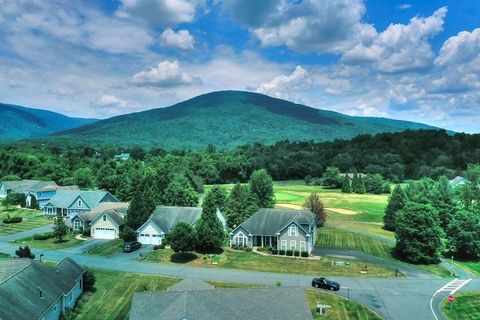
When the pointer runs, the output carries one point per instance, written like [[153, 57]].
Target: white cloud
[[404, 6], [181, 39], [160, 12], [309, 25], [165, 74], [284, 86], [400, 47]]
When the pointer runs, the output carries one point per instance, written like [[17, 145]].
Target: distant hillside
[[227, 119], [19, 122]]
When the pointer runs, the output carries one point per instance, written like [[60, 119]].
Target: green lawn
[[31, 219], [341, 308], [232, 285], [465, 307], [470, 266], [49, 244], [255, 262], [107, 249], [115, 290], [4, 255]]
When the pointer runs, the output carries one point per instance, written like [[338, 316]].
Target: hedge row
[[290, 253], [43, 236], [8, 220]]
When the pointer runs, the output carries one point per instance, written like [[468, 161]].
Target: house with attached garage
[[164, 219], [69, 203], [104, 222], [22, 186], [43, 193], [283, 229], [30, 289]]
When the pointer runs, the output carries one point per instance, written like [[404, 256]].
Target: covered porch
[[265, 241]]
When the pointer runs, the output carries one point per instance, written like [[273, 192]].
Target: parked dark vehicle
[[324, 283], [131, 246]]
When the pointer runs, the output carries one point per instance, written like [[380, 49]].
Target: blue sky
[[413, 60]]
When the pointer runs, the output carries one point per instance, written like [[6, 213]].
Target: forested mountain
[[226, 119], [19, 122]]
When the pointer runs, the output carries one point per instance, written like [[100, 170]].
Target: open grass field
[[115, 290], [49, 244], [470, 266], [465, 307], [31, 219], [342, 309], [255, 262], [106, 249]]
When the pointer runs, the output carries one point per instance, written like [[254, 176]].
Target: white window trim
[[293, 231], [293, 245], [240, 239], [104, 217], [303, 246], [283, 245]]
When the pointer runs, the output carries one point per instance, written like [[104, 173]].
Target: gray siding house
[[70, 203], [104, 221], [33, 290], [282, 229], [22, 186]]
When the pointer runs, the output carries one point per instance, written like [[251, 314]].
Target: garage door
[[146, 238], [104, 233]]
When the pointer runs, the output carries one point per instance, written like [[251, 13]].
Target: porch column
[[262, 241], [270, 239]]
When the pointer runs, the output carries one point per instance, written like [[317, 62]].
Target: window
[[240, 239], [293, 231], [293, 245], [77, 224], [303, 246], [104, 218], [283, 245], [79, 203]]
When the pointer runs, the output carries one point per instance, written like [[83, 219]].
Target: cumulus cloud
[[284, 86], [400, 47], [109, 105], [181, 39], [160, 12], [165, 74], [309, 25]]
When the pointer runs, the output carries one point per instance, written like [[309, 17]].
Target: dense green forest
[[396, 156]]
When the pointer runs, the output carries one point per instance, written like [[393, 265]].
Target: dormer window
[[104, 218], [293, 231], [79, 203]]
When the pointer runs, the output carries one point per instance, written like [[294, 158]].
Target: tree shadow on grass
[[183, 257]]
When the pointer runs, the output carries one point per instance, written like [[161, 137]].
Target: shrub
[[289, 253], [89, 281], [43, 236], [248, 249], [304, 254], [274, 251], [281, 252], [8, 220], [86, 232], [296, 253], [159, 246]]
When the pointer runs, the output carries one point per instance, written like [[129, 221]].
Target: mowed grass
[[113, 297], [339, 238], [255, 262], [4, 255], [472, 267], [107, 249], [31, 219], [465, 307], [370, 228], [49, 244], [342, 309]]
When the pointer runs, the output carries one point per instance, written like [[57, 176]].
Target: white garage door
[[104, 233], [146, 238]]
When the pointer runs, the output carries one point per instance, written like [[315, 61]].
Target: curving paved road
[[398, 299]]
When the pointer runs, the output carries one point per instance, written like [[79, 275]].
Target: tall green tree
[[24, 252], [142, 204], [179, 194], [443, 201], [358, 185], [33, 202], [84, 178], [240, 205], [315, 205], [331, 178], [396, 202], [107, 178], [182, 238], [60, 229], [470, 192], [346, 184], [418, 233], [210, 230], [261, 187], [464, 234]]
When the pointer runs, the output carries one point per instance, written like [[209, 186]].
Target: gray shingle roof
[[64, 198], [166, 218], [271, 221], [20, 292], [190, 285], [23, 186], [252, 304], [116, 210]]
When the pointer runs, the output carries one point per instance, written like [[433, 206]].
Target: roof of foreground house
[[251, 303], [64, 198], [190, 284], [116, 210], [166, 218], [28, 288], [271, 221], [23, 186]]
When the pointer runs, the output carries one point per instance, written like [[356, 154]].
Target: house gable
[[100, 222], [149, 224], [285, 229]]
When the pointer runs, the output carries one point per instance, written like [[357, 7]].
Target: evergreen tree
[[128, 234], [33, 202], [107, 178], [261, 187], [357, 183], [346, 184], [443, 201], [240, 205], [418, 233], [210, 231], [182, 238], [60, 229], [331, 178], [315, 205], [396, 202], [89, 281], [24, 252], [464, 234], [361, 185], [142, 204]]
